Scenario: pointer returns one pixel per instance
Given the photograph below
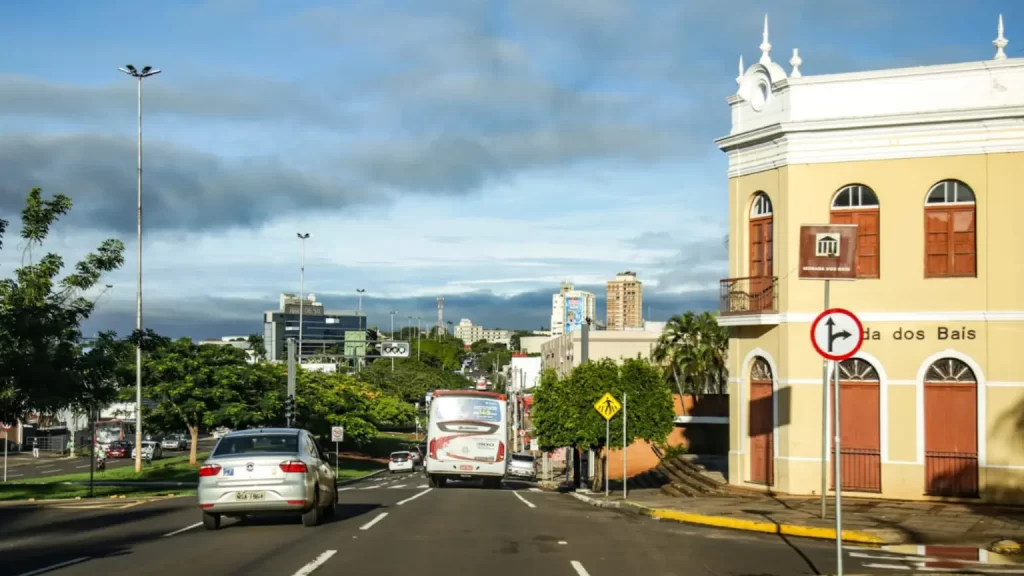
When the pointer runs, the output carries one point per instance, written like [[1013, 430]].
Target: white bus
[[467, 437]]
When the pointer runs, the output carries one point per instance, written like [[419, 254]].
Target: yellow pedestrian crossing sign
[[607, 406]]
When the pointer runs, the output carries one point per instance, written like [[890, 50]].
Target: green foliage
[[444, 354], [42, 366], [258, 347], [410, 380], [692, 352], [563, 413], [496, 357]]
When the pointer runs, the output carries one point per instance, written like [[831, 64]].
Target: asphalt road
[[395, 524], [24, 467]]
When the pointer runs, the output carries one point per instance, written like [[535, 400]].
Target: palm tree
[[692, 351]]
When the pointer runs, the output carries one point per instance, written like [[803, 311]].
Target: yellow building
[[929, 163]]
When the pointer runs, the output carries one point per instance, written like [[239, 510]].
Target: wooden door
[[761, 264], [951, 439], [761, 425], [860, 449]]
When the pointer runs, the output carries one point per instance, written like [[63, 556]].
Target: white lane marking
[[424, 486], [54, 566], [83, 466], [370, 488], [397, 486], [15, 475], [316, 563], [343, 489], [180, 530], [49, 471], [563, 542], [370, 524], [579, 568], [535, 490], [413, 497], [525, 501]]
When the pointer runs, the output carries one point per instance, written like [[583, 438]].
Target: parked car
[[401, 462], [268, 470], [521, 465]]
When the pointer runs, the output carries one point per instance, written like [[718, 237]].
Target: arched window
[[950, 370], [761, 371], [858, 204], [950, 240], [857, 370]]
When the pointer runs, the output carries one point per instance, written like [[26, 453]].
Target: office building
[[928, 162], [570, 308], [323, 332], [470, 333], [624, 302]]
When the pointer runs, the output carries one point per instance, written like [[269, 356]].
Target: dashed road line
[[424, 486], [83, 466], [535, 490], [413, 497], [370, 524], [370, 488], [55, 566], [580, 570], [397, 486], [525, 501], [316, 563], [185, 529], [345, 488]]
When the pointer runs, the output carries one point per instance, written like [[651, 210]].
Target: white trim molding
[[930, 316], [702, 420], [979, 376]]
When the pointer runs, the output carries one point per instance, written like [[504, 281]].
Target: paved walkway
[[866, 521]]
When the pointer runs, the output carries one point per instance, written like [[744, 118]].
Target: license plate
[[250, 496], [229, 472], [465, 467]]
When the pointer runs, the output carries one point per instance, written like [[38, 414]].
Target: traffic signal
[[289, 409]]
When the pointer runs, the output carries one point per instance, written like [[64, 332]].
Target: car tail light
[[293, 467], [501, 451], [209, 470]]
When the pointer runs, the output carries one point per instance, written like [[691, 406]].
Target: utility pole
[[302, 287], [392, 336], [359, 359], [418, 344], [139, 75]]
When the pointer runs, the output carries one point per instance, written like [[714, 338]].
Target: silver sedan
[[264, 471]]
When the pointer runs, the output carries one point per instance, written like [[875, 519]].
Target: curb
[[738, 524], [132, 483], [361, 478]]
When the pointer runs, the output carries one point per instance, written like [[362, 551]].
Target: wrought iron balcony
[[751, 295]]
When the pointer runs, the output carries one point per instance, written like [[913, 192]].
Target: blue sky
[[481, 151]]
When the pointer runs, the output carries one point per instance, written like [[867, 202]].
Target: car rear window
[[522, 458], [257, 443]]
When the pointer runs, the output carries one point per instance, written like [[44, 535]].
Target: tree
[[692, 351], [257, 347], [563, 413], [410, 380], [330, 399], [514, 341], [209, 386], [42, 367]]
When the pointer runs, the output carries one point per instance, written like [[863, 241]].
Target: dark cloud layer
[[210, 318]]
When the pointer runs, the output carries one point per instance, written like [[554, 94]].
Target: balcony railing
[[752, 295]]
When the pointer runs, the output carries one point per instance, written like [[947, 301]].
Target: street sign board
[[394, 349], [837, 334], [607, 406], [828, 252], [337, 433]]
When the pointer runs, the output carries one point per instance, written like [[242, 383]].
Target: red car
[[119, 450]]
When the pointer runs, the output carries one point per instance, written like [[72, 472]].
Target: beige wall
[[901, 300], [532, 344], [562, 353]]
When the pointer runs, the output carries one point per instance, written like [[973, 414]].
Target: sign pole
[[625, 477], [337, 456], [607, 452], [839, 477], [7, 436], [824, 425]]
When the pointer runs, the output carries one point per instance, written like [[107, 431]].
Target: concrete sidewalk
[[864, 521]]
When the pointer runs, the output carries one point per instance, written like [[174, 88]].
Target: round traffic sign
[[837, 334]]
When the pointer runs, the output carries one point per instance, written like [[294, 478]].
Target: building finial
[[1000, 42], [765, 46], [795, 62], [739, 78]]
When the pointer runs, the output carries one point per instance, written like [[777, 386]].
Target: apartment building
[[570, 308], [624, 302], [470, 333], [928, 163]]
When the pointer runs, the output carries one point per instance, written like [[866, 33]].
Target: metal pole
[[92, 452], [337, 456], [302, 287], [824, 426], [625, 445], [7, 440], [607, 449], [138, 299], [392, 337], [290, 392], [418, 344], [838, 474]]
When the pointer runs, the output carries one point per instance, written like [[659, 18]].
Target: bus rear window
[[448, 408], [256, 444]]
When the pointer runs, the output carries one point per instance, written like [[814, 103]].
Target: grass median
[[174, 469]]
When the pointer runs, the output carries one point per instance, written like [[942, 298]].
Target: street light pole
[[139, 75], [418, 332], [302, 288], [392, 337], [359, 360]]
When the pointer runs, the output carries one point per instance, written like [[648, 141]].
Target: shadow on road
[[342, 512]]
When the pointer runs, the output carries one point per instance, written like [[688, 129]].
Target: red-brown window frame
[[854, 211], [951, 209]]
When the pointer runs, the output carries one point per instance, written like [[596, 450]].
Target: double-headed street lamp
[[139, 75], [302, 287]]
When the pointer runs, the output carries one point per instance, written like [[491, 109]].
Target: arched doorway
[[761, 424], [860, 428], [762, 267], [951, 429]]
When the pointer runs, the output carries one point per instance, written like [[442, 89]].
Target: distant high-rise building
[[625, 302], [570, 308], [322, 330]]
